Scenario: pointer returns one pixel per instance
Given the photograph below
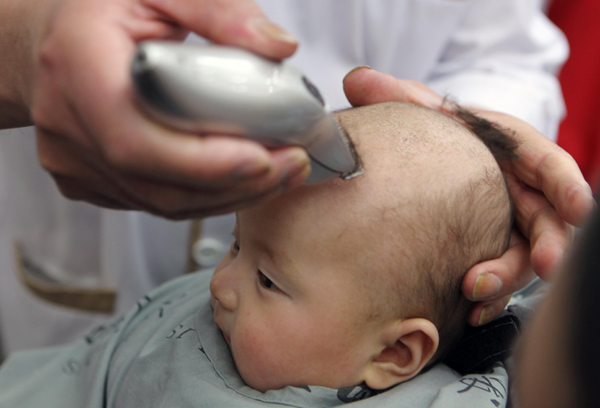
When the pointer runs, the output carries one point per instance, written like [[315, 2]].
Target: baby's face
[[299, 296], [286, 296]]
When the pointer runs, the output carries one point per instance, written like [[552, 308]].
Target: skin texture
[[300, 298], [67, 73]]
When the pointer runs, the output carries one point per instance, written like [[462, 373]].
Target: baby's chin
[[255, 381], [258, 378], [270, 380], [227, 339]]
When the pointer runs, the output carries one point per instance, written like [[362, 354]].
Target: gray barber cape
[[168, 352]]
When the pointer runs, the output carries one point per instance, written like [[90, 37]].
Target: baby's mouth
[[225, 336]]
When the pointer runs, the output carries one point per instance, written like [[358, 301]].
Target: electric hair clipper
[[209, 89]]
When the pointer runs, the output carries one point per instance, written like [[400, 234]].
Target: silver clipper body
[[211, 89]]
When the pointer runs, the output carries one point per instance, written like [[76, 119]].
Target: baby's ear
[[409, 345]]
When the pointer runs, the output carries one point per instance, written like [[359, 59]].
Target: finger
[[561, 181], [161, 199], [550, 238], [483, 313], [96, 183], [544, 166], [494, 279], [364, 86], [183, 203], [75, 178], [139, 147], [198, 161], [202, 210], [233, 22], [549, 235], [176, 202], [82, 181], [76, 190], [548, 251]]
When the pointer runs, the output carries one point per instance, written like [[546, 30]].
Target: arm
[[69, 72]]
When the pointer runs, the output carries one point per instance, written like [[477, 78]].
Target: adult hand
[[96, 143], [546, 184]]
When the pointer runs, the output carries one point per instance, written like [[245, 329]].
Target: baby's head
[[355, 281]]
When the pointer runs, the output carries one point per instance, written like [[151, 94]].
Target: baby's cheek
[[257, 356]]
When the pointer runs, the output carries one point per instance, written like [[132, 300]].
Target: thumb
[[364, 86], [232, 22]]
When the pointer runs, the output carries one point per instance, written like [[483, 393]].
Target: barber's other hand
[[100, 148], [546, 184]]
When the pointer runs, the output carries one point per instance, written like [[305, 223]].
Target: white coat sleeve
[[504, 57]]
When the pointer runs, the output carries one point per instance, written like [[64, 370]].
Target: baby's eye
[[266, 282], [236, 246]]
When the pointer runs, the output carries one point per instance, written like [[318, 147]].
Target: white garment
[[499, 54]]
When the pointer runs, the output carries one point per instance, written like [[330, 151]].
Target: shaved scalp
[[458, 212]]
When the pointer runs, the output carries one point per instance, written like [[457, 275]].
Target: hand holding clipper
[[224, 90]]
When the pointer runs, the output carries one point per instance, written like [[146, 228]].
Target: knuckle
[[533, 223], [49, 54], [538, 217], [544, 166]]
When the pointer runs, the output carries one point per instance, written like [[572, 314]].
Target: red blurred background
[[579, 133]]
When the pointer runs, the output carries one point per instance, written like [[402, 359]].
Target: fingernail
[[356, 69], [273, 31], [487, 315], [486, 286], [251, 170]]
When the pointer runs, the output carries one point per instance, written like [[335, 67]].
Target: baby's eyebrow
[[284, 265]]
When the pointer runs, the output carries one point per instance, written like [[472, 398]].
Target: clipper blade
[[332, 152]]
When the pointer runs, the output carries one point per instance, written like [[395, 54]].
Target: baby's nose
[[223, 289]]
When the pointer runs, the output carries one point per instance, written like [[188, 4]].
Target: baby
[[358, 281], [328, 286]]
